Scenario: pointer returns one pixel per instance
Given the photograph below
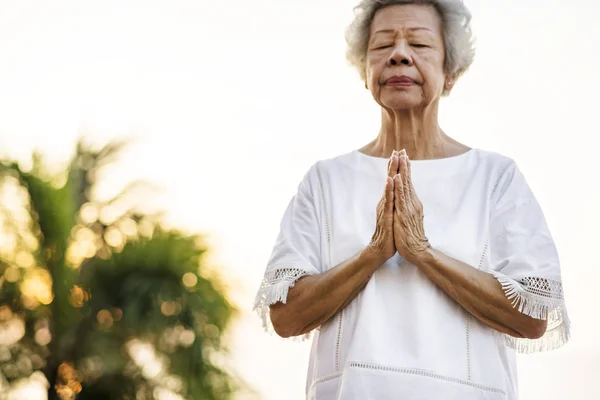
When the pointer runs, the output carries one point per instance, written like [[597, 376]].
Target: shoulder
[[510, 185], [322, 174], [336, 163], [324, 168], [495, 163], [500, 168]]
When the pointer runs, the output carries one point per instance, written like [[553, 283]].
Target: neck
[[416, 131]]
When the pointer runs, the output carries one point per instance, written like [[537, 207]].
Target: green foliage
[[107, 308]]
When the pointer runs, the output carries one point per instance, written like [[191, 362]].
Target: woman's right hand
[[382, 243]]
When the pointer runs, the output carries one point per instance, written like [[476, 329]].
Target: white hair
[[456, 30]]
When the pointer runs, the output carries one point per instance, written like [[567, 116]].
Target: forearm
[[314, 299], [479, 293]]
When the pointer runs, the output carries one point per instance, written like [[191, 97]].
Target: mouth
[[400, 81]]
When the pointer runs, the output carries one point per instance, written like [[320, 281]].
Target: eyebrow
[[410, 29]]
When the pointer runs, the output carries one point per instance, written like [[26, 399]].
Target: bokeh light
[[114, 237], [12, 274], [187, 337], [78, 296], [189, 279], [36, 286], [89, 213], [104, 318], [128, 227], [11, 331], [116, 313], [24, 259], [68, 382], [43, 336]]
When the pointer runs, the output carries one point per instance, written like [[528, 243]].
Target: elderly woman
[[421, 272]]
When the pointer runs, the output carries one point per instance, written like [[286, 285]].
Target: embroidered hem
[[274, 289], [539, 298]]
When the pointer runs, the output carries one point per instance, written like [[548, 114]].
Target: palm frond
[[147, 289]]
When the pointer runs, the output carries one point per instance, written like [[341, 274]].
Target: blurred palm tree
[[98, 296]]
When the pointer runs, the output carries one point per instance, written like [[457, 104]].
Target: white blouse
[[403, 337]]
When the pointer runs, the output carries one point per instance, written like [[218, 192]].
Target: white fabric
[[402, 337]]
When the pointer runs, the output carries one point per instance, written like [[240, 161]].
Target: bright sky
[[232, 101]]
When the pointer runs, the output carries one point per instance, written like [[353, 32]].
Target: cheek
[[371, 73], [432, 74], [372, 76]]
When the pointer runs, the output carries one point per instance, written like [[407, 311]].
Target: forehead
[[406, 16]]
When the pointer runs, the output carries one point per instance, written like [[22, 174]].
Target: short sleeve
[[525, 261], [297, 249]]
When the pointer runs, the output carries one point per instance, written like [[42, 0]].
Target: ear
[[449, 82]]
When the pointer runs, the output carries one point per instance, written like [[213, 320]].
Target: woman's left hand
[[409, 233]]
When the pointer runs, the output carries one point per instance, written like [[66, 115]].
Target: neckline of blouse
[[437, 161]]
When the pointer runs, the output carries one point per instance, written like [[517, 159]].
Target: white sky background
[[232, 101]]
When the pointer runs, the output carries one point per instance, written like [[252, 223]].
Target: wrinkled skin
[[399, 225]]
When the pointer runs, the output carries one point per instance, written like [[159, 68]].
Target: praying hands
[[399, 226], [409, 234]]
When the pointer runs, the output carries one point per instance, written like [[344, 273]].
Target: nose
[[400, 55]]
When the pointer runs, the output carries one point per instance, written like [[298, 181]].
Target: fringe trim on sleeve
[[274, 289], [539, 298]]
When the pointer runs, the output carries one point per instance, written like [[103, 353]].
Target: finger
[[401, 154], [387, 188], [389, 195], [393, 166], [404, 175], [399, 200], [413, 194], [408, 178]]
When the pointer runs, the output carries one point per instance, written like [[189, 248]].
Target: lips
[[400, 80]]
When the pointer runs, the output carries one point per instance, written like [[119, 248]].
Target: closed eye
[[419, 45]]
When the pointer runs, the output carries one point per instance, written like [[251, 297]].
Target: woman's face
[[406, 40]]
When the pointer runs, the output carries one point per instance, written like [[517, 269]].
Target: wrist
[[425, 256], [372, 257]]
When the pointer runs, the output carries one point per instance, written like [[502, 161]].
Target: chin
[[401, 102]]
